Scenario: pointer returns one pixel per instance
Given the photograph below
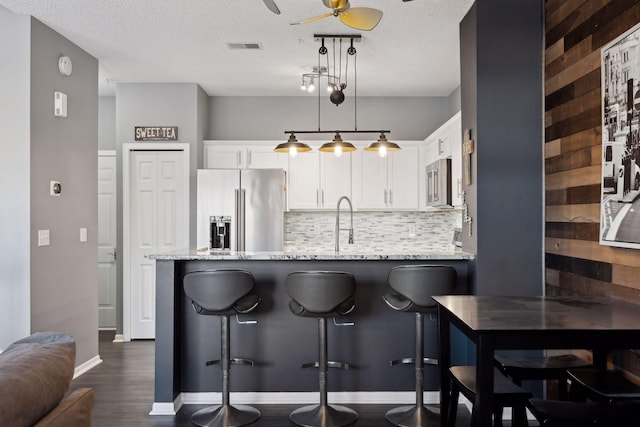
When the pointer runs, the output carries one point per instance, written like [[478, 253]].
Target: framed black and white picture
[[620, 204]]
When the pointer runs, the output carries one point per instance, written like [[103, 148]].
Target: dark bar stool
[[541, 368], [223, 293], [322, 294], [414, 286], [505, 394], [601, 385]]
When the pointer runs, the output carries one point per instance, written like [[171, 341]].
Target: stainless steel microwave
[[438, 177]]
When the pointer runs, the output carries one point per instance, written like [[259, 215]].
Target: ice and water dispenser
[[220, 233]]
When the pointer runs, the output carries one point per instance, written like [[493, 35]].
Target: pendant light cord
[[319, 85], [355, 90]]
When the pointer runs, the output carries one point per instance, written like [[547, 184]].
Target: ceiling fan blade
[[361, 18], [271, 4], [315, 18]]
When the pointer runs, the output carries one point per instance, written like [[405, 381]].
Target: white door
[[107, 268], [157, 220]]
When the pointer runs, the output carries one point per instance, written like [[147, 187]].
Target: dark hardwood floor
[[123, 386]]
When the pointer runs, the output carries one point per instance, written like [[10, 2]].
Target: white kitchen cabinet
[[317, 180], [218, 156], [387, 183], [444, 143], [240, 155], [263, 157]]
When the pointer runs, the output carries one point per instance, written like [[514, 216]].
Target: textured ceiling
[[414, 50]]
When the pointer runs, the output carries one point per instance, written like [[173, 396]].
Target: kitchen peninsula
[[280, 342]]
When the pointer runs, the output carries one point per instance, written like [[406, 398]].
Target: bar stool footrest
[[411, 361], [330, 364], [323, 416], [240, 361]]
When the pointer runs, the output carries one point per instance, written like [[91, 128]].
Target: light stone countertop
[[293, 254]]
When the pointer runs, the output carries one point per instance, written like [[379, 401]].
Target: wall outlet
[[412, 229], [43, 237], [83, 234]]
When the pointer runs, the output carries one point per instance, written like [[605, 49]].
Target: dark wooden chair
[[505, 394], [541, 368], [555, 413], [601, 386]]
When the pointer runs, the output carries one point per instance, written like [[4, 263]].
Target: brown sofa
[[35, 375]]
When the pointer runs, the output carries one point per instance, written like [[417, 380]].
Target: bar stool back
[[414, 286], [322, 294], [223, 293]]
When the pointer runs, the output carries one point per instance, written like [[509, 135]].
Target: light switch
[[43, 237], [83, 234]]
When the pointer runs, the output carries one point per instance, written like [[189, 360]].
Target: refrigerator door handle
[[237, 220], [241, 222]]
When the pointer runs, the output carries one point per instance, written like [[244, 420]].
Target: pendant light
[[337, 146], [382, 146], [336, 87], [292, 146]]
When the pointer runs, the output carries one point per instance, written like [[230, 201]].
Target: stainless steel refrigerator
[[241, 210]]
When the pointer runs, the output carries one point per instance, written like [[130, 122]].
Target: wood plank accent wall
[[574, 260]]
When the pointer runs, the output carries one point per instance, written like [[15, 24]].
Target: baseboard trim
[[302, 398], [86, 366], [283, 398], [166, 408], [118, 338]]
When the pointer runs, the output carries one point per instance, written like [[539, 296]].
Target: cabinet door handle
[[440, 141], [391, 197], [318, 198], [322, 198], [248, 158]]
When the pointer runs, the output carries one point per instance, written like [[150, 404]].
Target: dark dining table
[[495, 323]]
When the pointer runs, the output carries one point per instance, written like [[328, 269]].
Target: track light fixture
[[319, 73]]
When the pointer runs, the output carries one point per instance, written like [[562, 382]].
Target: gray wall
[[454, 101], [64, 275], [157, 104], [501, 63], [15, 169], [266, 118], [107, 123]]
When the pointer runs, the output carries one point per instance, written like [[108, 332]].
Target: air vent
[[244, 45]]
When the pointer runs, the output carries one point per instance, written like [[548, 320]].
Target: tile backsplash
[[373, 231]]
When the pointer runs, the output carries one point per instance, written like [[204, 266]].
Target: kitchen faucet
[[338, 223]]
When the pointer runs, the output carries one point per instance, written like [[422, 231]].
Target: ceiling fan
[[360, 18]]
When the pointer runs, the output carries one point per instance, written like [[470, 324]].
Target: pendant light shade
[[292, 146], [382, 146], [337, 146]]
